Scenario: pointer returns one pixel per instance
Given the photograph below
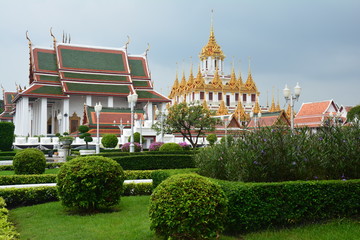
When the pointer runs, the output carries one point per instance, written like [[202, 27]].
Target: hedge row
[[7, 230], [160, 175], [7, 153], [51, 178], [2, 158], [48, 166], [151, 162], [15, 197], [258, 206]]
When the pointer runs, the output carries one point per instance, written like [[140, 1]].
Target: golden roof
[[233, 83], [273, 107], [174, 89], [199, 82], [182, 85], [204, 104], [250, 84], [212, 49], [190, 82], [222, 109], [240, 82]]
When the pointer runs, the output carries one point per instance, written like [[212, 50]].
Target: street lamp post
[[132, 99], [290, 97], [162, 118], [141, 123], [120, 126], [256, 118], [59, 117], [226, 121], [98, 108]]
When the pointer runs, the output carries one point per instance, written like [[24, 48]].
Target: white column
[[52, 120], [26, 116], [65, 120], [88, 100], [150, 111], [18, 125], [43, 116], [110, 101]]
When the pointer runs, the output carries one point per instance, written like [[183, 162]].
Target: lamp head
[[286, 91], [297, 90]]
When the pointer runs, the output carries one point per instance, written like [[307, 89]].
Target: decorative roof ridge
[[98, 73], [88, 46], [93, 82], [41, 48]]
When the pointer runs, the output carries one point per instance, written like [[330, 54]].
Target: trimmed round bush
[[136, 138], [109, 141], [170, 147], [155, 146], [188, 206], [90, 183], [29, 161]]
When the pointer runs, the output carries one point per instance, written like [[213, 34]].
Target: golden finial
[[278, 108], [222, 109], [54, 39], [212, 21], [267, 98], [147, 49], [27, 37], [256, 108], [249, 68], [127, 42]]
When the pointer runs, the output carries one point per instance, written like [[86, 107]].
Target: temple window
[[227, 100], [253, 97], [244, 97], [210, 96], [236, 97], [202, 95], [220, 96]]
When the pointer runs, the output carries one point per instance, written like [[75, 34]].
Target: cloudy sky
[[313, 42]]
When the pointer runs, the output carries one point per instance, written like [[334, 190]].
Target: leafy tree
[[211, 138], [353, 113], [83, 129], [1, 106], [189, 120]]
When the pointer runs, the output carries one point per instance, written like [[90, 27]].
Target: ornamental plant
[[29, 161], [211, 138], [83, 129], [137, 138], [170, 147], [185, 146], [126, 147], [155, 146], [188, 206], [109, 141], [90, 183], [6, 135]]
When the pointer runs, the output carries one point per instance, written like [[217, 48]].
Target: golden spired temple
[[223, 93]]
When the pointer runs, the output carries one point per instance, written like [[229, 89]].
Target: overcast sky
[[315, 43]]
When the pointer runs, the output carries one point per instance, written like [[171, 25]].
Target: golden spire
[[278, 108], [216, 82], [204, 104], [199, 82], [182, 85], [54, 39], [233, 83], [240, 81], [272, 108], [250, 84], [222, 109], [175, 87], [256, 108], [240, 112], [211, 49], [190, 82]]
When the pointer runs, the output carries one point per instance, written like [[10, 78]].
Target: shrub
[[126, 147], [169, 147], [89, 183], [259, 206], [7, 230], [158, 161], [109, 141], [6, 135], [155, 146], [211, 138], [137, 138], [188, 206], [159, 176], [27, 179], [83, 129], [229, 140], [29, 161]]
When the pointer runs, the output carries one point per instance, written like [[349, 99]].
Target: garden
[[267, 184]]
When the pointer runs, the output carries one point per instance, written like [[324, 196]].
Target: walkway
[[54, 184]]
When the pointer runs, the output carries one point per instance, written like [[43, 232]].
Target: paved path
[[54, 184]]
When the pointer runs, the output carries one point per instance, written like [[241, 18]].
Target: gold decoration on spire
[[212, 49], [199, 82], [250, 84], [190, 82], [175, 87], [54, 39], [256, 108], [272, 108], [240, 112], [216, 82], [222, 109], [278, 108], [204, 104], [182, 85], [233, 83]]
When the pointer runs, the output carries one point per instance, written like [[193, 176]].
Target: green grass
[[47, 171], [131, 222]]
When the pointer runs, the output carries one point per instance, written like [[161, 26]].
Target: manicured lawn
[[131, 222]]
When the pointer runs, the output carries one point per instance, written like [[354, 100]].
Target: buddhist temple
[[67, 80]]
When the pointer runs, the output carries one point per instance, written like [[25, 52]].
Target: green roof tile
[[141, 83], [53, 90], [49, 78], [97, 88], [146, 94], [79, 59], [137, 67], [103, 77], [47, 61]]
